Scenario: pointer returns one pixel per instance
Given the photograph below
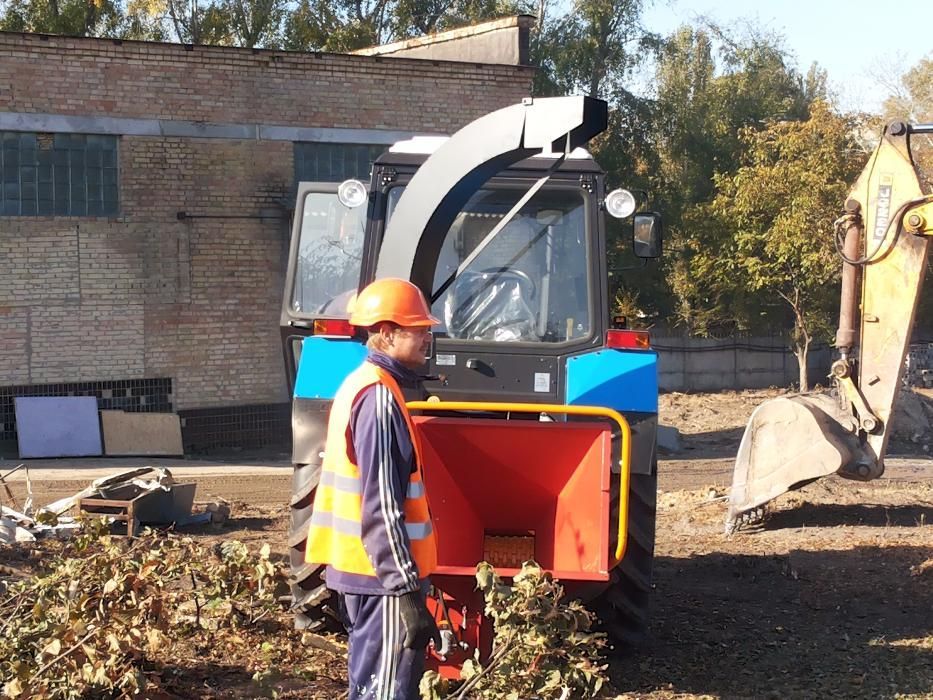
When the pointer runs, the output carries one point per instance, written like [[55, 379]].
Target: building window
[[335, 162], [58, 174]]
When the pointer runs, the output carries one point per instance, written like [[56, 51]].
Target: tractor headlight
[[620, 204], [351, 193]]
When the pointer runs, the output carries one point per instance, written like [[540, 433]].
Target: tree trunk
[[801, 352], [801, 339]]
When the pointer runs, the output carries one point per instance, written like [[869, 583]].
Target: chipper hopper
[[507, 492], [539, 419], [882, 239]]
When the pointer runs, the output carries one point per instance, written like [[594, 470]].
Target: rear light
[[628, 340], [334, 327]]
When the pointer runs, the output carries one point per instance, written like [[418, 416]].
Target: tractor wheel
[[313, 604], [623, 605]]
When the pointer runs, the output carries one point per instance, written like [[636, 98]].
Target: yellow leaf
[[110, 586], [154, 638], [53, 648], [13, 689]]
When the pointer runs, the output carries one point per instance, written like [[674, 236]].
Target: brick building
[[145, 198]]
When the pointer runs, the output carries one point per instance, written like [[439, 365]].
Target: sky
[[854, 41]]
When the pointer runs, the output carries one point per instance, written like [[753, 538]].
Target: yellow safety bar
[[626, 447]]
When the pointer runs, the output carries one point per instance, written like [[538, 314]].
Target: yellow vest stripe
[[341, 525], [347, 484]]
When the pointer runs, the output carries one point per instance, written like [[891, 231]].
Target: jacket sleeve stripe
[[390, 510]]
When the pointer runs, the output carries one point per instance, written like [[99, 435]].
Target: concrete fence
[[706, 364]]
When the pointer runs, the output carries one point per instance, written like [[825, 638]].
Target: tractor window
[[330, 252], [530, 283]]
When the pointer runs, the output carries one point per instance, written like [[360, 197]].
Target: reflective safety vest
[[334, 536]]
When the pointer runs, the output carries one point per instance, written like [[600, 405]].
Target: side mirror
[[647, 235]]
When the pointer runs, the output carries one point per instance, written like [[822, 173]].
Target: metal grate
[[508, 551], [224, 427], [58, 174], [334, 162]]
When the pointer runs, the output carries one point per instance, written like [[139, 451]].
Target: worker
[[371, 525]]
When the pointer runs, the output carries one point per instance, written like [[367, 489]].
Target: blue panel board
[[324, 364], [619, 379], [57, 426]]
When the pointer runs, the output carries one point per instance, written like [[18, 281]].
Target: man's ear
[[385, 332]]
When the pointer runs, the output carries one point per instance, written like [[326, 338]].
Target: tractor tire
[[623, 605], [314, 606]]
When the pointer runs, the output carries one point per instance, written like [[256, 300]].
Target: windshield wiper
[[498, 227]]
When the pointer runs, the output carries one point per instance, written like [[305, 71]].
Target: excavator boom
[[882, 239]]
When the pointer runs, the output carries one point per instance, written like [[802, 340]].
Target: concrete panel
[[503, 41], [144, 434], [90, 124], [59, 426]]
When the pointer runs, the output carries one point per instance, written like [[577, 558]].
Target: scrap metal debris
[[144, 495]]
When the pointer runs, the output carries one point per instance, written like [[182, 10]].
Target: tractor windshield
[[530, 282], [330, 252]]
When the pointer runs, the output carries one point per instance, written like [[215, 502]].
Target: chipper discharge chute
[[882, 240], [539, 436]]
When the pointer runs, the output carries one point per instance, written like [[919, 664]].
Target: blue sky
[[854, 41]]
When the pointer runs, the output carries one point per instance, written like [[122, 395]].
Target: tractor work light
[[620, 204], [351, 193], [333, 327], [628, 340]]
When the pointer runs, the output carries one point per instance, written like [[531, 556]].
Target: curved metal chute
[[461, 166]]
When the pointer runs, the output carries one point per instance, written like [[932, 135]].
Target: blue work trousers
[[379, 668]]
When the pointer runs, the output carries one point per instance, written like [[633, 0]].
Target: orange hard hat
[[394, 300]]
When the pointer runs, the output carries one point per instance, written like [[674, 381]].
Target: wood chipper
[[539, 427]]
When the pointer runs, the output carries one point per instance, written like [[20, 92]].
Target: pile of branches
[[543, 648], [93, 619]]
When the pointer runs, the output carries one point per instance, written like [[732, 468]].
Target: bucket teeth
[[748, 521]]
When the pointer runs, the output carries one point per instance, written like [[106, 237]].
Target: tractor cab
[[519, 283]]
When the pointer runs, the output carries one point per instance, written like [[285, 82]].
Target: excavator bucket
[[788, 443]]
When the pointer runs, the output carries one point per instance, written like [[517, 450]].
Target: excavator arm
[[882, 239]]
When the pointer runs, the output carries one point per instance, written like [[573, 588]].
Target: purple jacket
[[386, 457]]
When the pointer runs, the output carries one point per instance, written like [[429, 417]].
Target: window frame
[[53, 165], [303, 175], [521, 183]]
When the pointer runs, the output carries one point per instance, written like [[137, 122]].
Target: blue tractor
[[539, 427]]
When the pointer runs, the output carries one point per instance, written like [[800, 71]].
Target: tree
[[309, 25], [256, 22], [911, 95], [767, 234], [592, 49], [712, 84], [194, 23], [69, 17]]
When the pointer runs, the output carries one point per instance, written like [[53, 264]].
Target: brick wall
[[195, 300], [219, 84]]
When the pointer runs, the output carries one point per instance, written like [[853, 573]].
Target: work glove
[[418, 625]]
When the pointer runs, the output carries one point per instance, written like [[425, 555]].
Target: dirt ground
[[832, 598]]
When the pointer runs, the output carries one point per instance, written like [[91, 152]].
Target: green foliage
[[543, 647], [91, 621], [71, 17], [255, 22], [714, 86], [766, 237], [911, 97], [591, 49]]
